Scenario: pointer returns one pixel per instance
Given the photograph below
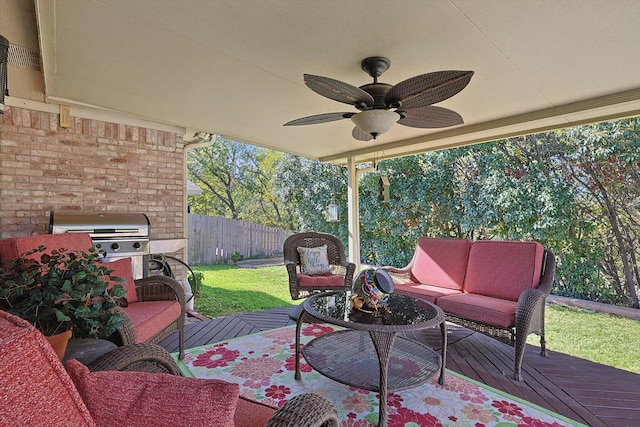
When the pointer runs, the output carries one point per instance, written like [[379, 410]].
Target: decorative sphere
[[371, 289]]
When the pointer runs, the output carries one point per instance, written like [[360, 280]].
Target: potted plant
[[63, 291]]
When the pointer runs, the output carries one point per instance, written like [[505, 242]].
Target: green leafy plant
[[195, 279], [63, 290], [236, 256]]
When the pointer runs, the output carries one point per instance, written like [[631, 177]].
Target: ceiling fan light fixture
[[375, 122]]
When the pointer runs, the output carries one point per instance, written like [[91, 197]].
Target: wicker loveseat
[[495, 287], [36, 390], [156, 305]]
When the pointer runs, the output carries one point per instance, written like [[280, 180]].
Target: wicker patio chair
[[339, 276], [36, 389], [158, 309]]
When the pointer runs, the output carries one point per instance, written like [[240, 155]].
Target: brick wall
[[92, 166]]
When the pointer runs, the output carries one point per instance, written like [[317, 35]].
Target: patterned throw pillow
[[314, 260]]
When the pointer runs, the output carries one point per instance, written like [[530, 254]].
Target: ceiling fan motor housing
[[378, 92]]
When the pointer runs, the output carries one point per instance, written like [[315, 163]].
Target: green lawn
[[227, 289], [602, 338]]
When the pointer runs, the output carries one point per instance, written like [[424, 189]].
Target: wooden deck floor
[[584, 391]]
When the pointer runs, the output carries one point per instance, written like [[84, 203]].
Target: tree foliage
[[237, 181], [576, 191]]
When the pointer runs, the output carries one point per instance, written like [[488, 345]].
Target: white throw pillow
[[314, 260]]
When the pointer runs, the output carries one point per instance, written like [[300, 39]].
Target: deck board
[[588, 392]]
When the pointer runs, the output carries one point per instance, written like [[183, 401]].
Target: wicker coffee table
[[369, 354]]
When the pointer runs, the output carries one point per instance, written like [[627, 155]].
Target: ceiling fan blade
[[430, 117], [427, 89], [319, 118], [338, 91], [361, 135]]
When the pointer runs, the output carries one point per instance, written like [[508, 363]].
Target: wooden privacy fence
[[213, 239]]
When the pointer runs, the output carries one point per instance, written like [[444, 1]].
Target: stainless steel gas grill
[[119, 234]]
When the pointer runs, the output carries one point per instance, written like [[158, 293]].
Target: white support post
[[353, 213]]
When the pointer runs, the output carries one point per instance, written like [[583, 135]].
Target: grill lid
[[100, 224]]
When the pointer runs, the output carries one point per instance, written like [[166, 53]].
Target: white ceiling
[[235, 67]]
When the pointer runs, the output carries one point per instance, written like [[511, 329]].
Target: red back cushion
[[503, 269], [142, 399], [123, 268], [35, 390], [441, 262], [13, 247]]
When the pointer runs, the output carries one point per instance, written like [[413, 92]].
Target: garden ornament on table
[[371, 289]]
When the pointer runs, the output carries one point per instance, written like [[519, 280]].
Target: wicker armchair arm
[[144, 357], [160, 288], [291, 267], [305, 410], [127, 331], [348, 276]]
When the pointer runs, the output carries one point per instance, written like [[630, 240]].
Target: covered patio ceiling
[[235, 68]]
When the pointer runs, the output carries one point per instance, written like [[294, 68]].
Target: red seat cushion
[[151, 317], [503, 269], [480, 308], [35, 390], [144, 399], [325, 280], [426, 292], [440, 262]]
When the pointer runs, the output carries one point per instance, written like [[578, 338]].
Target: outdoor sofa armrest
[[529, 303], [548, 273], [305, 410], [143, 357], [160, 288]]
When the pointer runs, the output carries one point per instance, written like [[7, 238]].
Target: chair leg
[[519, 355], [181, 338], [543, 346]]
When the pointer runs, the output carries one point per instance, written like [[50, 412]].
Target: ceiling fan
[[411, 100]]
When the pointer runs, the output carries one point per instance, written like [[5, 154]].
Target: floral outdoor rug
[[264, 363]]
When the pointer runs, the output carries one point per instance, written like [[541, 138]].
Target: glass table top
[[400, 311]]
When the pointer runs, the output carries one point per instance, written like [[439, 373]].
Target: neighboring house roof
[[193, 188]]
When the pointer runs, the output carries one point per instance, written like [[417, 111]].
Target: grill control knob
[[136, 245], [115, 246]]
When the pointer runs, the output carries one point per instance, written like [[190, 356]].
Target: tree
[[216, 169], [307, 187], [602, 161], [238, 183]]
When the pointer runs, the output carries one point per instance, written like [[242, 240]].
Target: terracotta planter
[[59, 342]]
